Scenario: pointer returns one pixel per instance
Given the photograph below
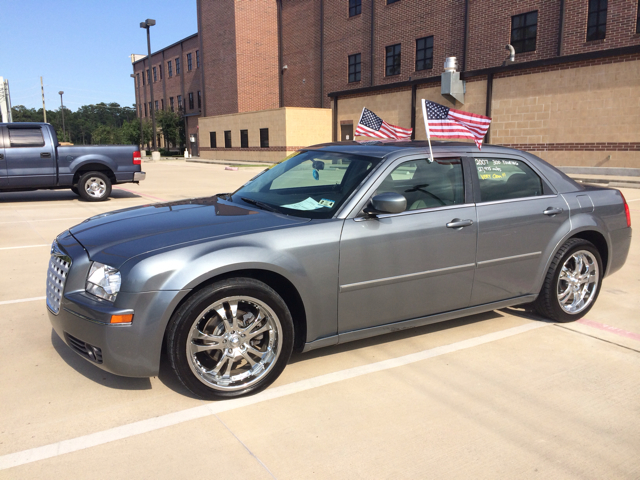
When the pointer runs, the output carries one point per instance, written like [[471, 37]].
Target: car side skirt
[[415, 322]]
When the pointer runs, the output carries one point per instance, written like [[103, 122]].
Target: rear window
[[26, 137], [505, 179]]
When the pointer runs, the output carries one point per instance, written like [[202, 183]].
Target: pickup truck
[[31, 158]]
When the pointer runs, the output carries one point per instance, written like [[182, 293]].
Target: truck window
[[26, 137]]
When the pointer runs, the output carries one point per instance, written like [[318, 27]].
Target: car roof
[[379, 149]]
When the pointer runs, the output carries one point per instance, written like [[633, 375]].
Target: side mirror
[[389, 202]]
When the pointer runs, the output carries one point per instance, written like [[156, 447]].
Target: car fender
[[82, 160]]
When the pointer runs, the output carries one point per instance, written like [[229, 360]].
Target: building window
[[160, 67], [145, 110], [354, 68], [177, 66], [150, 109], [188, 62], [597, 21], [197, 58], [171, 103], [244, 138], [355, 7], [162, 103], [138, 78], [264, 138], [393, 60], [638, 19], [199, 99], [524, 29], [424, 53], [179, 102], [389, 2], [227, 139], [155, 75], [156, 102], [212, 140], [148, 76], [190, 100], [169, 69]]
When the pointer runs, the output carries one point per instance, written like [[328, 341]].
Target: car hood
[[114, 237]]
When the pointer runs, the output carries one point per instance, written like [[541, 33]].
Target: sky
[[83, 47]]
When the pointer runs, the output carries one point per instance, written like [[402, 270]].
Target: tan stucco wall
[[393, 108], [599, 103], [289, 128]]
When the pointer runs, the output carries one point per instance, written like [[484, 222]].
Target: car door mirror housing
[[388, 202]]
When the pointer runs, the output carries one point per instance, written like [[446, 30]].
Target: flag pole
[[426, 126]]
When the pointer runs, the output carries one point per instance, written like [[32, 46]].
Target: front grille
[[59, 266], [86, 350]]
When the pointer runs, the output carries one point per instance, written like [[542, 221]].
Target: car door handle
[[1, 156], [551, 211], [45, 155], [457, 223]]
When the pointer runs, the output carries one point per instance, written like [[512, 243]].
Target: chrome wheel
[[234, 343], [578, 282], [95, 187]]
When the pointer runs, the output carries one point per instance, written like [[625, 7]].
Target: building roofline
[[613, 52], [167, 47]]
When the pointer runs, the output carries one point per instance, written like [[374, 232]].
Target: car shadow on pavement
[[395, 336], [94, 373], [58, 196], [169, 379]]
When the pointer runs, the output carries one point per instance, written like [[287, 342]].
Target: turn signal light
[[137, 158], [122, 318]]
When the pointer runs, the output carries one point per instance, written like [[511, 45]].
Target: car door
[[30, 156], [518, 216], [3, 163], [396, 267]]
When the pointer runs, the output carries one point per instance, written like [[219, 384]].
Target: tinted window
[[424, 53], [264, 138], [227, 139], [426, 185], [597, 20], [355, 7], [393, 60], [212, 140], [502, 179], [354, 68], [524, 29], [26, 137], [244, 138]]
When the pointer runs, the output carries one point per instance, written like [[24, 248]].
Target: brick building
[[572, 95]]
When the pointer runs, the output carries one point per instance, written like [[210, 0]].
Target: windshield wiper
[[264, 206]]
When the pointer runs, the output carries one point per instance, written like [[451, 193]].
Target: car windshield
[[311, 184]]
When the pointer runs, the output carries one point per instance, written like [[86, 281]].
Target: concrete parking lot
[[499, 395]]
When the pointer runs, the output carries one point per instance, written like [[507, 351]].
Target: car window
[[504, 179], [26, 137], [425, 184], [311, 184]]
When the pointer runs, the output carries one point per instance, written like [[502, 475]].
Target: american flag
[[446, 122], [371, 125]]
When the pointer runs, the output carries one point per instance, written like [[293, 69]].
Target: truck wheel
[[94, 187], [230, 339], [572, 283]]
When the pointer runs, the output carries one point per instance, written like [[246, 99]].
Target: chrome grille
[[59, 266]]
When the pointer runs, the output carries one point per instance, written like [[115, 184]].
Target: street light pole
[[138, 107], [62, 110], [146, 24]]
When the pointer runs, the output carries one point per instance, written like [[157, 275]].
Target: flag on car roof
[[371, 125], [444, 122]]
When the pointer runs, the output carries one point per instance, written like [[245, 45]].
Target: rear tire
[[573, 282], [94, 187]]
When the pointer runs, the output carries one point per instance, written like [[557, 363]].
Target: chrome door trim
[[520, 199], [413, 212], [524, 256], [351, 287]]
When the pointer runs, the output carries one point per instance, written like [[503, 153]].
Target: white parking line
[[156, 423], [26, 246], [32, 299]]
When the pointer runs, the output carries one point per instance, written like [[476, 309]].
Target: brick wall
[[301, 53]]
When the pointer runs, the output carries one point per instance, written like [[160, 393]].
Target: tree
[[169, 123]]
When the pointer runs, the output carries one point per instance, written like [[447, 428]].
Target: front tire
[[231, 339], [94, 187], [573, 282]]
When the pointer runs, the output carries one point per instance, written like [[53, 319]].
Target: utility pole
[[62, 110], [44, 110], [138, 105], [5, 101], [147, 24]]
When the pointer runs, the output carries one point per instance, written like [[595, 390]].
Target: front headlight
[[103, 281]]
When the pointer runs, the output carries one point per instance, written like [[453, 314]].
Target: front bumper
[[139, 176], [82, 322]]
